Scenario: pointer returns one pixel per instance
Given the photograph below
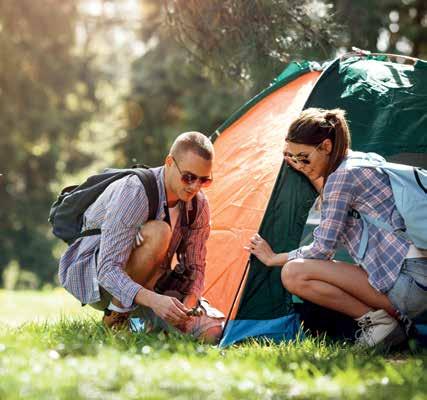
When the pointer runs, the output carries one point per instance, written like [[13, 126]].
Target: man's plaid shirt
[[120, 211]]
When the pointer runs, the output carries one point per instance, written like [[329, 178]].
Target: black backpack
[[66, 213]]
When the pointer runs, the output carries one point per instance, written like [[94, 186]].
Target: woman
[[392, 283]]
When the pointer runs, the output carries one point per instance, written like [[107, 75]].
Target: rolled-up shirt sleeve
[[338, 195], [127, 210], [195, 253]]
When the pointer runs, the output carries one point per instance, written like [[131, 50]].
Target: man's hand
[[170, 309], [192, 302]]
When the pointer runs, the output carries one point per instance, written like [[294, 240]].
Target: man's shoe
[[116, 320], [379, 328]]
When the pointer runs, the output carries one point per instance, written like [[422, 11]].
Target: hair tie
[[332, 120]]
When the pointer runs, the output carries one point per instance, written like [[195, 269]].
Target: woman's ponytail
[[341, 139]]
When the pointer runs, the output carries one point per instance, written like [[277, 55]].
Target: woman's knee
[[293, 275]]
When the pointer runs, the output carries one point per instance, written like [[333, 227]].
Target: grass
[[71, 356], [38, 306]]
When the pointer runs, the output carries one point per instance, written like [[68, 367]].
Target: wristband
[[115, 308]]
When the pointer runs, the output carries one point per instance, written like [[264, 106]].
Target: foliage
[[248, 40], [74, 357], [252, 40], [393, 26], [15, 278], [44, 100], [170, 94]]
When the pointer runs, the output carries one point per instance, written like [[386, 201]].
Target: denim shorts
[[409, 293]]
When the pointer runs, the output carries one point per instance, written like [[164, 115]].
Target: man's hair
[[195, 142]]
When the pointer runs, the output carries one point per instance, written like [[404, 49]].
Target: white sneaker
[[378, 327]]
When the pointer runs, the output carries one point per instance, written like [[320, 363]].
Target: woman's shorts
[[409, 293]]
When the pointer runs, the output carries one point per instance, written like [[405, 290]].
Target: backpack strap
[[379, 223], [417, 172], [192, 214], [90, 232], [147, 178], [188, 219]]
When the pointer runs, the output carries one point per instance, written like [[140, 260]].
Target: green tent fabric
[[386, 105], [285, 217]]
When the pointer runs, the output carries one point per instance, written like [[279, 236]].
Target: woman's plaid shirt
[[365, 190]]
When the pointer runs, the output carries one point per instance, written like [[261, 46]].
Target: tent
[[254, 191]]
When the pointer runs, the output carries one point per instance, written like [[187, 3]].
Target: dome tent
[[386, 103]]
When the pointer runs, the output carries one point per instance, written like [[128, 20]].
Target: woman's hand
[[261, 249], [306, 170]]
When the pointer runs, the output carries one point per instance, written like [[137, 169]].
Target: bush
[[16, 278]]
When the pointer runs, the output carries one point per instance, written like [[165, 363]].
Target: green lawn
[[24, 306], [66, 354]]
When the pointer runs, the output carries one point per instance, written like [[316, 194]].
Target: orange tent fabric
[[248, 155]]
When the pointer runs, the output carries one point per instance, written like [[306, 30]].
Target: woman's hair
[[314, 125]]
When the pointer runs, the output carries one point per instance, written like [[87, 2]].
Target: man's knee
[[156, 234], [150, 254], [293, 276]]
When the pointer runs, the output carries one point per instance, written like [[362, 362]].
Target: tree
[[44, 101], [393, 26], [170, 94], [252, 40]]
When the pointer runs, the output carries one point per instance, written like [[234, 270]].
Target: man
[[118, 270]]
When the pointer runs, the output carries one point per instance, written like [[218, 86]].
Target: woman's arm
[[262, 250], [337, 200], [338, 196]]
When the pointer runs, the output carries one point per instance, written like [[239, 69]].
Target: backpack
[[409, 186], [66, 213]]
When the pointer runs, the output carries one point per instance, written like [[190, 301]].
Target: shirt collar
[[160, 179], [159, 173]]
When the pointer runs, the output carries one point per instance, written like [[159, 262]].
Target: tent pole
[[235, 298]]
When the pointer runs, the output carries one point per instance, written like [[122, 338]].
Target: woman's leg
[[336, 285]]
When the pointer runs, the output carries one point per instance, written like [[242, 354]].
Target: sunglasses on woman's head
[[188, 178]]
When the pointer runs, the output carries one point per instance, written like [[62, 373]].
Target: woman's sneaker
[[379, 328]]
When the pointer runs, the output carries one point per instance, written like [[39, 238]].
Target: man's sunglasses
[[303, 159], [188, 178]]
